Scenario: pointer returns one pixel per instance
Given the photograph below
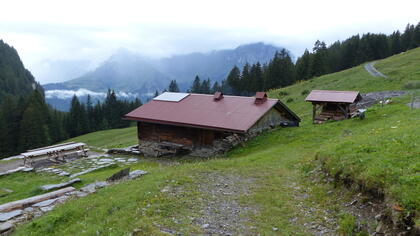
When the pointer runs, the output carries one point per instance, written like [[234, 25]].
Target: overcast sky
[[87, 32]]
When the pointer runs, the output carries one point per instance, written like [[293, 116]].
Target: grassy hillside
[[114, 138], [273, 172]]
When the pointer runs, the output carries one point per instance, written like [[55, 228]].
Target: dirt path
[[369, 67], [221, 212]]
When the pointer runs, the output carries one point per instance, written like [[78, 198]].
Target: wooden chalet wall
[[176, 134], [272, 118]]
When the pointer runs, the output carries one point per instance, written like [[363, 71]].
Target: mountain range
[[133, 75]]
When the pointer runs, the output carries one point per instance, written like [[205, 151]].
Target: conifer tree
[[196, 86], [245, 81], [319, 64], [233, 80], [34, 131], [303, 66], [205, 86], [173, 87]]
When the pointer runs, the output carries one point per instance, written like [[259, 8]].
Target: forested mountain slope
[[15, 80]]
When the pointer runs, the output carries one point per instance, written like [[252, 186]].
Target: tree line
[[29, 122], [355, 51], [281, 71]]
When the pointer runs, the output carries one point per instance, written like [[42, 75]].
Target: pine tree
[[205, 86], [319, 63], [257, 78], [245, 81], [196, 86], [233, 80], [73, 119], [416, 36], [34, 131], [9, 126], [303, 66], [173, 87]]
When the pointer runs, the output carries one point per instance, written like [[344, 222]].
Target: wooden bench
[[55, 153]]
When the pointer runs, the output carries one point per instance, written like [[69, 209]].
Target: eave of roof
[[333, 96], [232, 113], [184, 124]]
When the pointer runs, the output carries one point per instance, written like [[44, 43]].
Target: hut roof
[[333, 96], [232, 113]]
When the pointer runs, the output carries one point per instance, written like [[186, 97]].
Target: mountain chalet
[[205, 124]]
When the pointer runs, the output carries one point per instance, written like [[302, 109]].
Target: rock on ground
[[49, 187], [136, 174], [119, 175], [4, 227], [45, 203], [9, 215]]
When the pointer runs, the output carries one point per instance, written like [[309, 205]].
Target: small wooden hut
[[332, 105]]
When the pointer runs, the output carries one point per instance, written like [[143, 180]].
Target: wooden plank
[[32, 200], [52, 146]]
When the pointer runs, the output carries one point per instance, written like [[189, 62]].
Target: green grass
[[381, 151], [115, 138], [401, 69]]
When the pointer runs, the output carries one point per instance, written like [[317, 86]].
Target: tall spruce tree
[[303, 66], [34, 131], [173, 87], [319, 63], [196, 86], [205, 87], [233, 80]]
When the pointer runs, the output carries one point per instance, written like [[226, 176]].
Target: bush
[[283, 93], [289, 100], [305, 92]]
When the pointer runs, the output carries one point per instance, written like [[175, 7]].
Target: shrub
[[305, 92], [347, 225], [289, 100], [283, 93]]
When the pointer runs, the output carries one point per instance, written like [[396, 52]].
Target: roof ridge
[[335, 91], [234, 96]]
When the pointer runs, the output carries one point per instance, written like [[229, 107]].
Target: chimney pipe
[[260, 97], [218, 96]]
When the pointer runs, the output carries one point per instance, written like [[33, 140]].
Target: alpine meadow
[[210, 118]]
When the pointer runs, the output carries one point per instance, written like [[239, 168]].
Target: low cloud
[[66, 94]]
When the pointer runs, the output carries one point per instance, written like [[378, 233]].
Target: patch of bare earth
[[221, 212]]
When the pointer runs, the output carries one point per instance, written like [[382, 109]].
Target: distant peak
[[256, 45]]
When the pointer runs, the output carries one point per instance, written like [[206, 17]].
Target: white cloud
[[66, 94], [92, 30]]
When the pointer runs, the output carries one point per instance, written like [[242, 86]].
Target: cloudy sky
[[77, 35]]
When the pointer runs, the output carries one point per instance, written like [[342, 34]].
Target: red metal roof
[[232, 113], [333, 96]]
